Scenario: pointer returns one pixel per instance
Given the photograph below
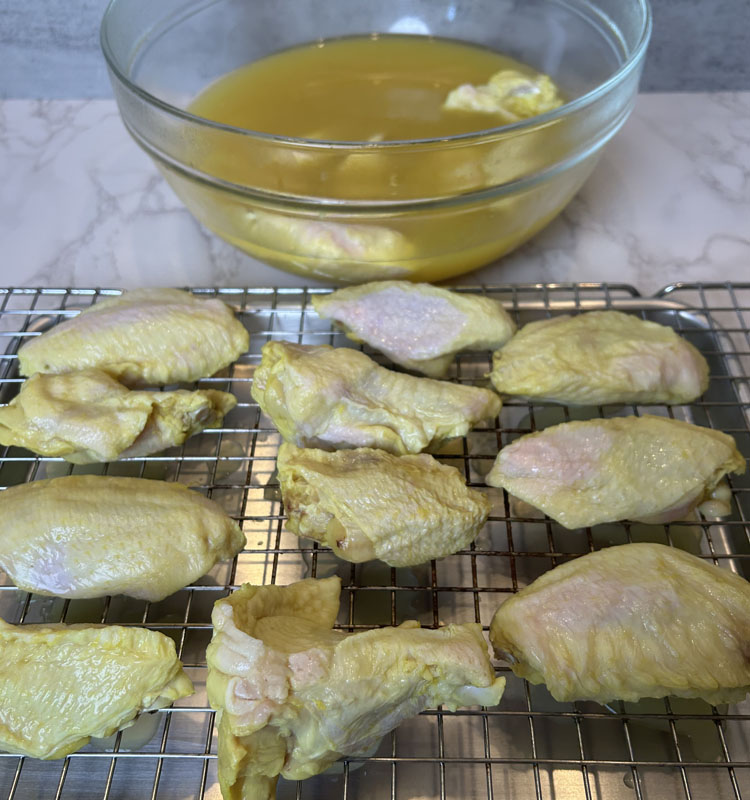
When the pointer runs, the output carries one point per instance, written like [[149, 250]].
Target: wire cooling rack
[[529, 747]]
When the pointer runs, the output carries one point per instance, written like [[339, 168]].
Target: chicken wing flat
[[367, 504], [320, 396], [646, 469], [62, 684], [146, 337], [638, 620], [87, 417], [509, 94], [93, 535], [418, 326], [600, 357], [336, 250], [293, 695]]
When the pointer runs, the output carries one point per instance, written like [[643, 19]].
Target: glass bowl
[[431, 208]]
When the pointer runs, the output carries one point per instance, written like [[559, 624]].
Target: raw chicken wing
[[509, 94], [647, 469], [94, 535], [88, 417], [293, 695], [338, 397], [597, 358], [419, 326], [333, 249], [147, 337], [368, 504], [639, 620], [62, 684]]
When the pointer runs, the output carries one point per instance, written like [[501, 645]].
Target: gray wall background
[[49, 48]]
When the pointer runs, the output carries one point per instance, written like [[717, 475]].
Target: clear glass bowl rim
[[630, 63]]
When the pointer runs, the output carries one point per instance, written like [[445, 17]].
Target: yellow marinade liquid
[[366, 89], [361, 88]]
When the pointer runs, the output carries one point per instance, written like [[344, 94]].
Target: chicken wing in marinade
[[367, 504], [646, 469], [418, 326], [293, 695], [62, 684], [94, 535], [336, 250], [338, 397], [146, 337], [509, 94], [600, 357], [88, 417], [638, 620]]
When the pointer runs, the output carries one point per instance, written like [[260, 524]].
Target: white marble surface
[[81, 205]]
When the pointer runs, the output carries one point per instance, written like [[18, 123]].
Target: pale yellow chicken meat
[[293, 695], [638, 620], [92, 535], [508, 94], [646, 469], [418, 326], [599, 357], [333, 249], [367, 504], [87, 417], [146, 337], [60, 685], [320, 396]]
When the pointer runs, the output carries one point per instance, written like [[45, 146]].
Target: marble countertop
[[82, 206]]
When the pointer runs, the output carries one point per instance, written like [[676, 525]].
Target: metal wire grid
[[528, 747]]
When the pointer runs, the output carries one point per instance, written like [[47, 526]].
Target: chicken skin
[[638, 620], [293, 695], [418, 326], [87, 417], [645, 469], [333, 249], [146, 337], [338, 397], [92, 535], [600, 357], [62, 684], [509, 95], [367, 504]]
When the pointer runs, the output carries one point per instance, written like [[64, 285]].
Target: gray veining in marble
[[50, 49]]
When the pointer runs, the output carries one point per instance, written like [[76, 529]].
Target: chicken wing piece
[[638, 620], [509, 94], [87, 417], [419, 326], [646, 469], [367, 504], [147, 337], [334, 249], [338, 397], [600, 357], [293, 695], [62, 684], [93, 535]]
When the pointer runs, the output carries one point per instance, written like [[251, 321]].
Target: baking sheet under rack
[[529, 746]]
